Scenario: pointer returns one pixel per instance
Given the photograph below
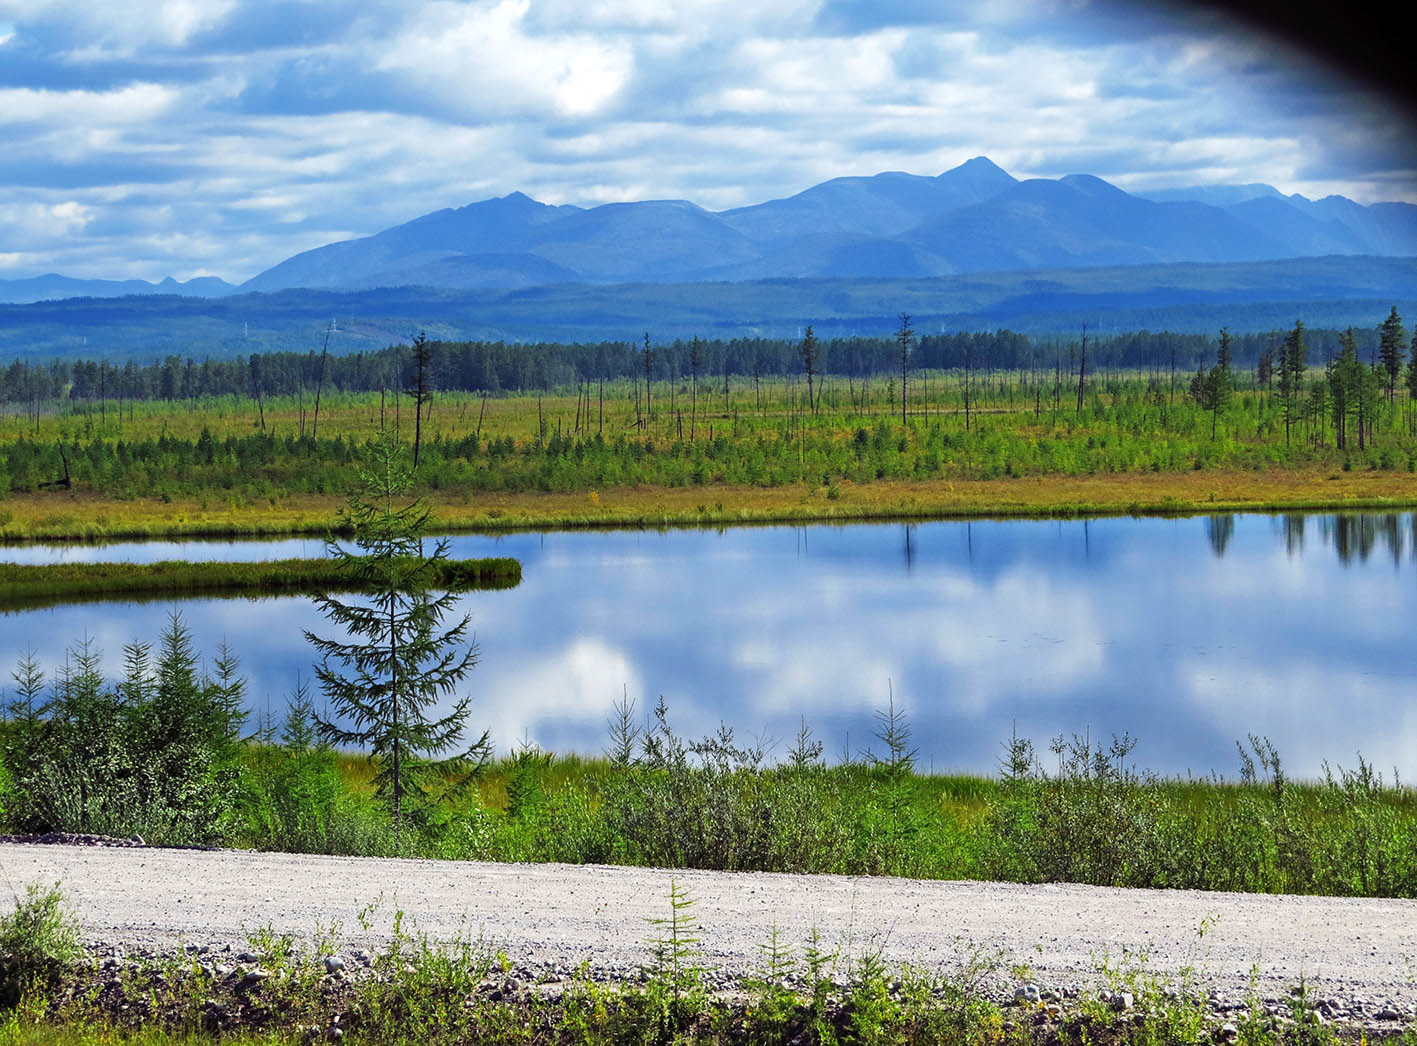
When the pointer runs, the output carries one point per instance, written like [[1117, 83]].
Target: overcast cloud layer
[[195, 137]]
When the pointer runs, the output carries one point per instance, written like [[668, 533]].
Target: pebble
[[333, 963], [1027, 993]]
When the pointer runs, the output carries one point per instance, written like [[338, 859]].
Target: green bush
[[39, 941]]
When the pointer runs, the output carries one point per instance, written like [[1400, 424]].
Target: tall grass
[[664, 800]]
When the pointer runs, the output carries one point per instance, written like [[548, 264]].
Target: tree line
[[482, 366]]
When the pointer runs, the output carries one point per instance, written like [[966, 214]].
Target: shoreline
[[72, 516]]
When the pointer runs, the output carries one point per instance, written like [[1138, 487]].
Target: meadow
[[729, 449]]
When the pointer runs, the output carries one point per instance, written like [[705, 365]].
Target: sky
[[148, 138]]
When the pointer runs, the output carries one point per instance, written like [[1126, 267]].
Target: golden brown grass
[[66, 515]]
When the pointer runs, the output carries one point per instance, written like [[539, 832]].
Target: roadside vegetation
[[414, 990], [165, 750], [703, 431]]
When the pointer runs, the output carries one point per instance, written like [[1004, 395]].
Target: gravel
[[1358, 954]]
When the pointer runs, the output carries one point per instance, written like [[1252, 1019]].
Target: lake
[[1187, 633]]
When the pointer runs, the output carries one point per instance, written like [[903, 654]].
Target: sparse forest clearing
[[719, 450]]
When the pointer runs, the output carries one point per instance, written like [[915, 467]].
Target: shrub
[[39, 940]]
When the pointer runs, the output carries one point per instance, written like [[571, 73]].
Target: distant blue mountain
[[52, 287], [424, 247], [973, 218], [1215, 195], [1334, 292]]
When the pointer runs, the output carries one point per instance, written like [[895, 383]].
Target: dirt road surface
[[556, 916]]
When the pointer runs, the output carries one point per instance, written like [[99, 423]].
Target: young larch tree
[[384, 681]]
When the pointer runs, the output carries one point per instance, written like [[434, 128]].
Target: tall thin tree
[[1391, 350], [421, 390], [809, 351], [904, 336], [320, 380]]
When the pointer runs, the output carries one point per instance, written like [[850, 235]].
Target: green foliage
[[293, 798], [39, 941], [400, 661], [155, 754], [1095, 820], [675, 972]]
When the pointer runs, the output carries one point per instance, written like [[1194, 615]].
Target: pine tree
[[1390, 349], [25, 713], [1293, 359], [383, 683], [809, 352], [1343, 380], [696, 364], [1412, 374]]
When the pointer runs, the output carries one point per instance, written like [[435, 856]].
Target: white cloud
[[86, 111], [393, 110], [479, 59], [575, 685]]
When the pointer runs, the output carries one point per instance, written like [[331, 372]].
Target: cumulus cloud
[[255, 129]]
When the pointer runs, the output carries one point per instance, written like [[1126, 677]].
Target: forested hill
[[1332, 292], [480, 366]]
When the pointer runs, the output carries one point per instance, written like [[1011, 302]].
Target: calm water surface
[[1187, 633]]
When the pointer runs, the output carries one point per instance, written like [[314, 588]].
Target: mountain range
[[974, 218], [1332, 292]]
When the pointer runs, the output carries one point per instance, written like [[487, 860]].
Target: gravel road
[[549, 916]]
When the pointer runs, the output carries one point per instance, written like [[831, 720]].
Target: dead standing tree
[[904, 335]]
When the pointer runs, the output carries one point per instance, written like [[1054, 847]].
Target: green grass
[[1137, 445], [711, 804], [24, 586]]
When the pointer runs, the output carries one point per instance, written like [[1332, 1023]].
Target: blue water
[[1187, 633]]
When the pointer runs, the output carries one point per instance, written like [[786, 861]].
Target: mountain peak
[[978, 164], [1090, 183]]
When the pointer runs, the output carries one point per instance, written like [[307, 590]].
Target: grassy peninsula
[[25, 586]]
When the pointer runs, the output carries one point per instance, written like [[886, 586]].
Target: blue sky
[[192, 137]]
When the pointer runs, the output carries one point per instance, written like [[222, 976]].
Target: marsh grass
[[720, 804], [204, 467], [26, 586]]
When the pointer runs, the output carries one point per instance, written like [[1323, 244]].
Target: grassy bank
[[83, 516], [714, 804], [419, 991], [27, 586]]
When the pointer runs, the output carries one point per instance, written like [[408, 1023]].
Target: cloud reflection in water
[[1155, 627]]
